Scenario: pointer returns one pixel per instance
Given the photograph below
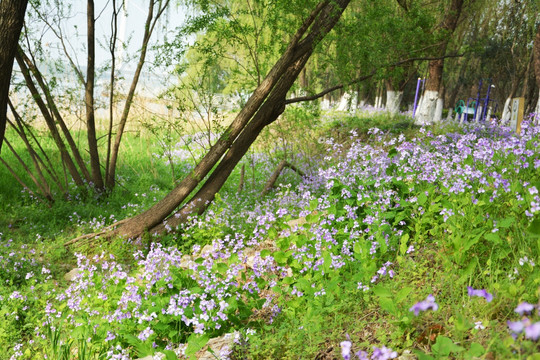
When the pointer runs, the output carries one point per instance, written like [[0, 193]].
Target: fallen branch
[[96, 234], [272, 181]]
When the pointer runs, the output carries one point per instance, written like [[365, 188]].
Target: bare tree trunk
[[272, 180], [242, 176], [49, 121], [89, 98], [536, 50], [31, 65], [112, 50], [11, 22], [237, 139]]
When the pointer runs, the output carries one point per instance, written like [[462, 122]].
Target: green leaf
[[444, 346], [403, 246], [476, 350], [403, 293], [506, 222], [388, 305], [534, 227], [493, 237], [170, 355], [195, 343], [423, 356], [280, 257], [422, 198], [265, 253], [381, 291], [392, 153]]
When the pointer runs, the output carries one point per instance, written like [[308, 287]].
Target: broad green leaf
[[195, 343], [388, 305], [422, 198], [534, 227], [381, 291], [403, 293], [476, 350], [505, 223], [444, 346], [403, 246], [493, 237]]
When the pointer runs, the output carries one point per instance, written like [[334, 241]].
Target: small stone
[[72, 275], [156, 356], [220, 344], [407, 355], [207, 249]]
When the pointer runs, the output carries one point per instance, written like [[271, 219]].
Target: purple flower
[[533, 331], [361, 355], [145, 334], [524, 308], [383, 353], [427, 304], [346, 349], [480, 292], [515, 326]]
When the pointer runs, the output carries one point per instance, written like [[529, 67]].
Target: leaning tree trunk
[[11, 22], [265, 104], [267, 114], [426, 112]]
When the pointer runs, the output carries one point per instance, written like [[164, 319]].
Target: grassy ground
[[353, 270]]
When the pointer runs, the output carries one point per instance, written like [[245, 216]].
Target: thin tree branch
[[365, 77]]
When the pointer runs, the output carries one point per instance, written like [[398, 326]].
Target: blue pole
[[416, 96], [477, 99]]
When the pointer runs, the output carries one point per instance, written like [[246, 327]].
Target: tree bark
[[536, 50], [435, 67], [264, 106], [267, 114], [89, 97], [11, 22], [55, 113], [49, 121]]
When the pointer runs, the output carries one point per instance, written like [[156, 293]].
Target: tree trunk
[[426, 112], [393, 98], [536, 50], [264, 106], [11, 22], [49, 120], [55, 113], [148, 29], [89, 98], [267, 114], [506, 110]]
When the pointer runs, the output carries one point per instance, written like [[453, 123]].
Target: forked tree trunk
[[11, 22], [150, 24], [263, 107]]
